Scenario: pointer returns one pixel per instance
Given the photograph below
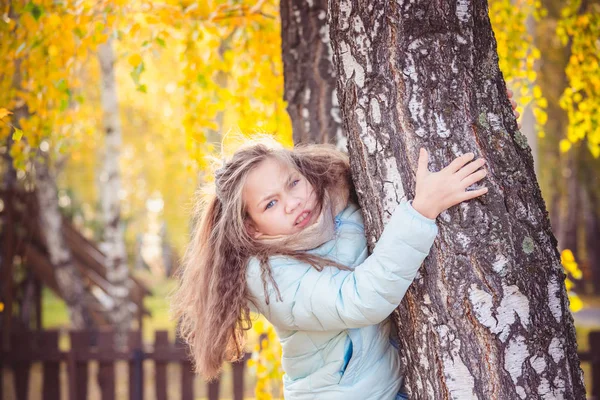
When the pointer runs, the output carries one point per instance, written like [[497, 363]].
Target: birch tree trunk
[[67, 275], [309, 75], [487, 316], [113, 244]]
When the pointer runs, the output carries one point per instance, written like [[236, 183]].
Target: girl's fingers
[[470, 168], [513, 104], [459, 162], [471, 194], [422, 164], [473, 178], [509, 93], [517, 114]]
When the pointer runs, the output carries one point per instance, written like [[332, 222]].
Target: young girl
[[283, 236]]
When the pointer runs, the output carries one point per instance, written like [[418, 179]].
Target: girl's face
[[278, 199]]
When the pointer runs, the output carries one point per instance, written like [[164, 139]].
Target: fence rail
[[43, 346], [33, 347]]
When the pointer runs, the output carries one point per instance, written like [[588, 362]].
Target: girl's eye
[[270, 204], [295, 182]]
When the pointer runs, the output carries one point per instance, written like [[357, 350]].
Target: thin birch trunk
[[487, 317], [113, 243], [67, 275]]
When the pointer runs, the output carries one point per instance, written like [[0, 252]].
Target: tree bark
[[67, 275], [113, 244], [487, 317], [309, 75]]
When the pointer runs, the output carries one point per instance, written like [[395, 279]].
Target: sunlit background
[[190, 73]]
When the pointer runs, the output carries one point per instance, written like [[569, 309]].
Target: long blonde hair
[[211, 302]]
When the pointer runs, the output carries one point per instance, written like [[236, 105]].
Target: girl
[[283, 236]]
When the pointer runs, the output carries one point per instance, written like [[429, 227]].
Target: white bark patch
[[305, 112], [459, 380], [375, 111], [547, 392], [335, 107], [442, 128], [392, 174], [392, 188], [389, 203], [351, 67], [553, 299], [462, 10], [514, 356], [307, 95], [462, 239], [417, 112], [423, 359], [538, 364], [426, 299], [513, 303], [454, 67], [345, 10], [362, 41], [556, 349], [499, 264], [559, 386], [368, 140], [495, 122]]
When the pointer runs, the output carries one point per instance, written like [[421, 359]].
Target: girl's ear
[[251, 228]]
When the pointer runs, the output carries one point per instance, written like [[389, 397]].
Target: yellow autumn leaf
[[594, 149], [52, 50], [567, 256], [135, 60], [4, 112], [564, 145], [568, 284], [575, 303], [17, 135]]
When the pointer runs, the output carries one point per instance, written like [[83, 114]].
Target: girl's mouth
[[303, 219]]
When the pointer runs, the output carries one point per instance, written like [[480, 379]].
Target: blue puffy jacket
[[333, 325]]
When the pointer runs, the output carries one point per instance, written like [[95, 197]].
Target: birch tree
[[113, 244], [67, 275], [488, 316]]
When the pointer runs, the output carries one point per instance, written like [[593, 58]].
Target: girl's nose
[[292, 204]]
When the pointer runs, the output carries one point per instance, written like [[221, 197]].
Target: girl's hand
[[438, 191], [514, 106]]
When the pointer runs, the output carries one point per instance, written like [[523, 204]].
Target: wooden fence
[[42, 346], [31, 347]]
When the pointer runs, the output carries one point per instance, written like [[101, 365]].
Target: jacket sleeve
[[334, 299]]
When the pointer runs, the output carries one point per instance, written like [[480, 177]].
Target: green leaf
[[202, 80], [35, 9], [17, 134], [142, 88], [161, 42], [79, 32]]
